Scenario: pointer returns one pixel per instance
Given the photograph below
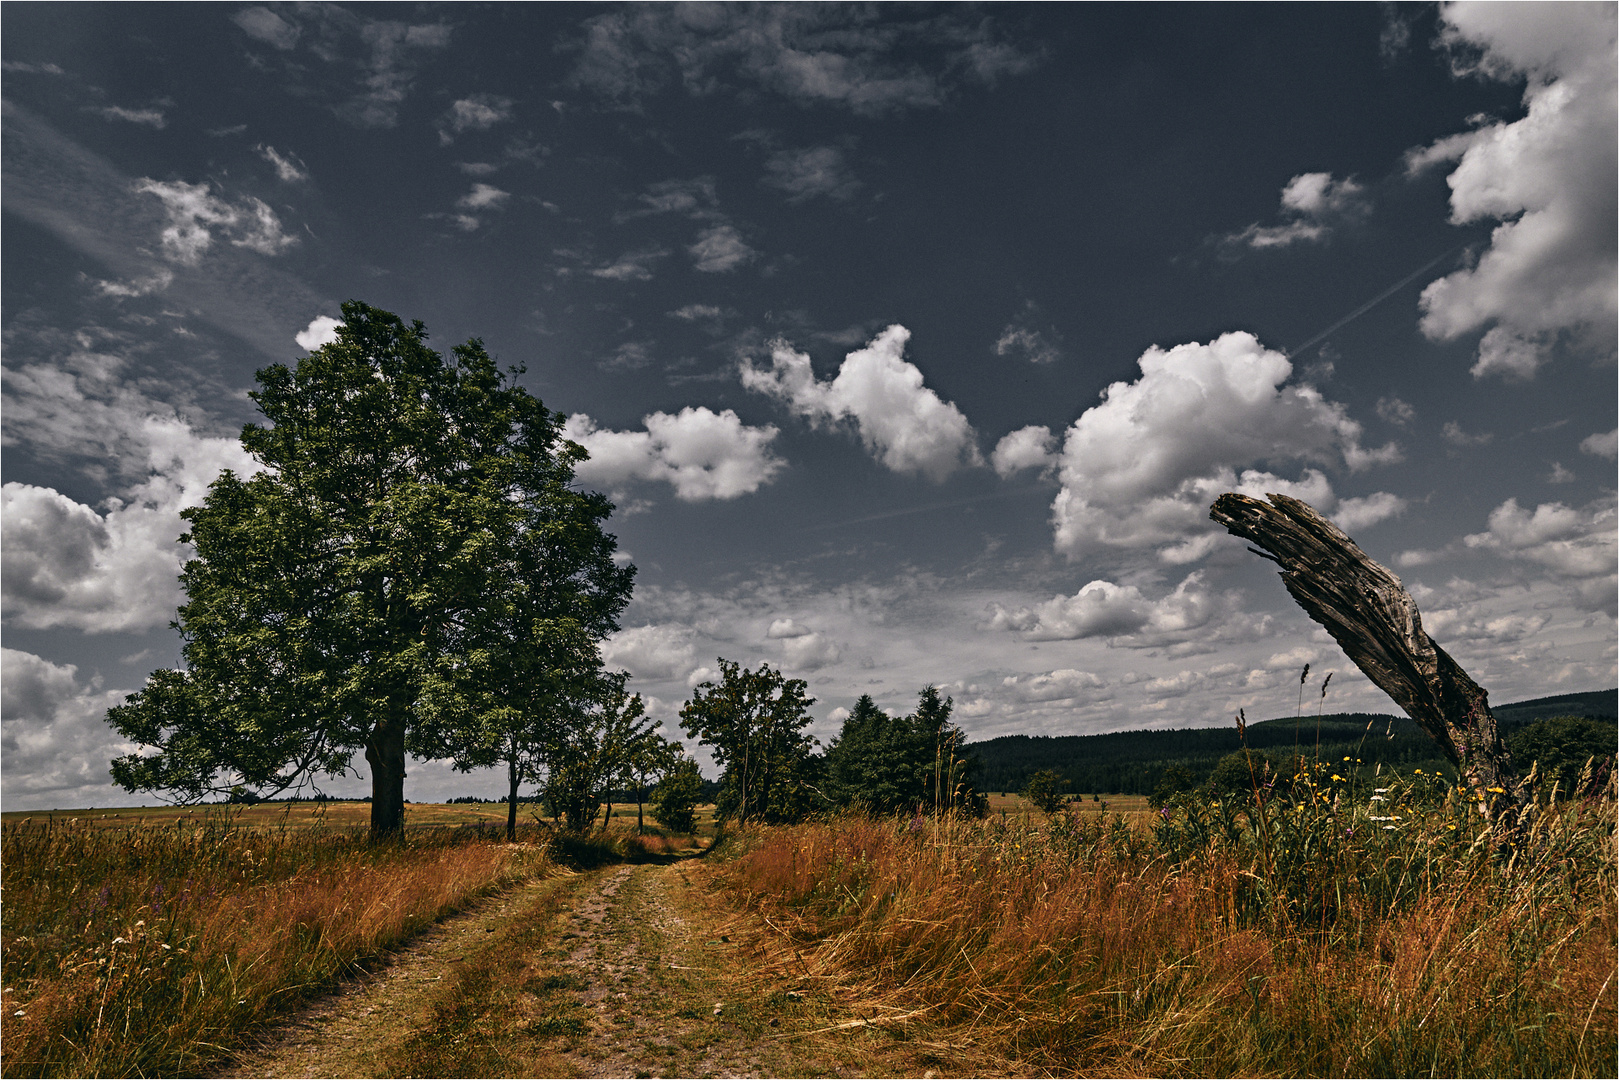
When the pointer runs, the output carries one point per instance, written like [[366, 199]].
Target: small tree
[[590, 754], [650, 757], [674, 800], [1176, 780], [754, 721], [1045, 790]]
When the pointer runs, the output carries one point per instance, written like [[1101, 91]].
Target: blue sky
[[912, 343]]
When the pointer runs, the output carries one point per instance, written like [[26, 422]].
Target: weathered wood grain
[[1374, 620]]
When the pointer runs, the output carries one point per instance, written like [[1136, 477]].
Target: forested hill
[[1130, 762]]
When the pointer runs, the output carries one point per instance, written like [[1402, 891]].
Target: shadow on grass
[[590, 850]]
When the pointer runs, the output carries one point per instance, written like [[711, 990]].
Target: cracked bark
[[1374, 620]]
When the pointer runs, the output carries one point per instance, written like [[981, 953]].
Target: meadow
[[1320, 926], [1323, 930], [151, 941]]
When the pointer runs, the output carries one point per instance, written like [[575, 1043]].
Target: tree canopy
[[410, 572], [885, 764], [754, 722]]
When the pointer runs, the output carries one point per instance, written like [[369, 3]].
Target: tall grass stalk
[[150, 950], [1398, 946]]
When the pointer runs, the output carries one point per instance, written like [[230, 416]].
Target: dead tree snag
[[1375, 621]]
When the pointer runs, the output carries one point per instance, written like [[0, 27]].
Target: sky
[[912, 343]]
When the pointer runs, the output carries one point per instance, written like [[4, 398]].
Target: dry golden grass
[[149, 949], [1104, 947]]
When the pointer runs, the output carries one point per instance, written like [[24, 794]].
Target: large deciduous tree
[[340, 597], [754, 722]]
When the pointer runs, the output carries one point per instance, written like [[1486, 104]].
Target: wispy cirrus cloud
[[720, 249], [479, 112], [809, 173], [814, 55], [288, 168], [364, 67], [196, 214], [153, 118], [1313, 205]]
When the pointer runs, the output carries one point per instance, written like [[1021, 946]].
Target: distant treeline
[[1132, 762], [710, 791]]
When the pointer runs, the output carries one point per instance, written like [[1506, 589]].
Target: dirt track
[[623, 971]]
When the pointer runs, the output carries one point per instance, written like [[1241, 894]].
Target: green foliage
[[675, 799], [1045, 790], [911, 763], [754, 721], [1561, 746], [587, 757], [403, 574], [1132, 762], [1176, 781]]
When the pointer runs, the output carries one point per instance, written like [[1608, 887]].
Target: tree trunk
[[1375, 621], [513, 776], [385, 752]]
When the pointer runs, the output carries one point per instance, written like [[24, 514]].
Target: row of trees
[[412, 571], [754, 722]]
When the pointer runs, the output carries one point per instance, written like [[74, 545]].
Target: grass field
[[333, 814], [1323, 930], [1332, 933], [140, 941]]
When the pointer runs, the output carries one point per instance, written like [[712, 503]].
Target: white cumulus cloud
[[68, 565], [651, 651], [1064, 684], [1576, 546], [1141, 468], [322, 330], [1548, 178], [702, 454], [1601, 444], [1032, 447], [54, 739], [1107, 610], [901, 422]]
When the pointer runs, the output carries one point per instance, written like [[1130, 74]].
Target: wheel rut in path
[[339, 1034], [627, 971]]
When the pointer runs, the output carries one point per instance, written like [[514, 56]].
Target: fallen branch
[[1374, 620]]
